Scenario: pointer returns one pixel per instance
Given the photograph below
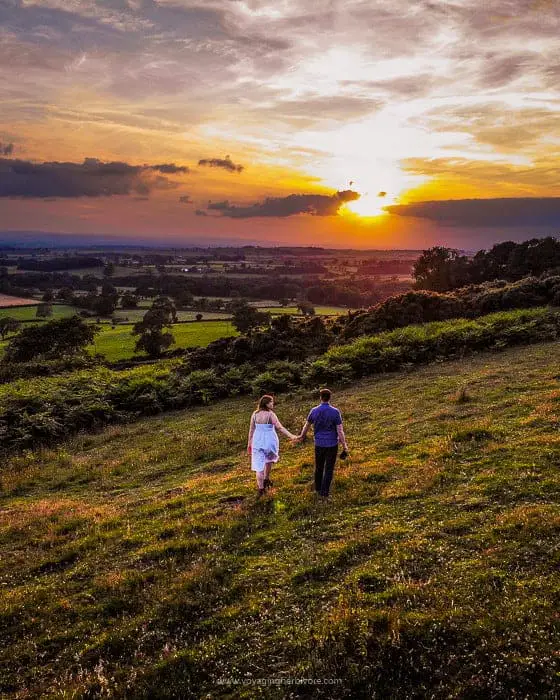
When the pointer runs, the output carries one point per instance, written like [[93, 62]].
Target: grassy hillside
[[138, 562]]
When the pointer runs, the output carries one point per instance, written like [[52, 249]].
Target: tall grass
[[138, 562]]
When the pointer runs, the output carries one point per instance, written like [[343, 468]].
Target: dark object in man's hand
[[343, 454]]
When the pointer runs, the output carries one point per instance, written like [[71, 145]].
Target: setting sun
[[370, 205]]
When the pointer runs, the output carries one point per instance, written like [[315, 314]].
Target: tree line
[[443, 269]]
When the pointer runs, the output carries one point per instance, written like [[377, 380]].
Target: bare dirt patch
[[8, 301]]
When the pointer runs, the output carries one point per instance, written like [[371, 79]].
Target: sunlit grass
[[118, 343], [139, 562]]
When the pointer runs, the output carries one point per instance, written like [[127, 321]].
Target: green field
[[134, 315], [29, 313], [319, 310], [138, 562], [118, 343]]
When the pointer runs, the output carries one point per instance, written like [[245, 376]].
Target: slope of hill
[[139, 563]]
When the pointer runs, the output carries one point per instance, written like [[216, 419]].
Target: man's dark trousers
[[325, 458]]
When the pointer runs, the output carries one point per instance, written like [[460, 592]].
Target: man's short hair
[[325, 394]]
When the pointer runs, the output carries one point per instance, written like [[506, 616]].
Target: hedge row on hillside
[[50, 409], [468, 302], [440, 340], [298, 340]]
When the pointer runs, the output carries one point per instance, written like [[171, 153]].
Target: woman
[[263, 444]]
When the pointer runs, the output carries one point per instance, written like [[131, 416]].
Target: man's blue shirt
[[324, 419]]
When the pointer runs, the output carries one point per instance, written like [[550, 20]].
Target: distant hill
[[47, 239]]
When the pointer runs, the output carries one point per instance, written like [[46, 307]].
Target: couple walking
[[263, 444]]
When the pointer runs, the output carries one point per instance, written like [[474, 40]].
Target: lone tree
[[8, 325], [245, 317], [106, 302], [153, 339], [51, 340], [44, 310], [129, 301], [306, 308]]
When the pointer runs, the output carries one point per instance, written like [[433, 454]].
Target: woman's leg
[[267, 468], [260, 480]]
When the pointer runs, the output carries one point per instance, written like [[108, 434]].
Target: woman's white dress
[[265, 446]]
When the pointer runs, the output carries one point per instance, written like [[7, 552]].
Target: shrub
[[280, 376], [51, 340]]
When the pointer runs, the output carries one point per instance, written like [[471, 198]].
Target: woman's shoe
[[261, 492], [268, 484]]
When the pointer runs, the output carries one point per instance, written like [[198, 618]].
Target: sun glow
[[369, 205]]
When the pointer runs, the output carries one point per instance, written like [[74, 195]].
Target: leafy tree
[[246, 318], [183, 298], [54, 339], [153, 339], [129, 301], [167, 307], [66, 294], [44, 310], [441, 269], [48, 296], [198, 317], [306, 308], [8, 325], [109, 269], [106, 302]]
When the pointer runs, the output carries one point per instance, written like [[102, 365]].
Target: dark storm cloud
[[92, 178], [293, 204], [224, 163], [6, 149], [519, 211], [170, 168]]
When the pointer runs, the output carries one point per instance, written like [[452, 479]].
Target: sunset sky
[[186, 122]]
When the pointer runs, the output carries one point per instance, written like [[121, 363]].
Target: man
[[328, 433]]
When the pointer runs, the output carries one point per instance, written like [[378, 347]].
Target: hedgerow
[[468, 302], [49, 409], [430, 342]]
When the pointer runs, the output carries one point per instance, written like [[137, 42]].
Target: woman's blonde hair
[[263, 401]]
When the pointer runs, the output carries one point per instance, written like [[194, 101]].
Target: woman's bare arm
[[281, 428], [251, 432]]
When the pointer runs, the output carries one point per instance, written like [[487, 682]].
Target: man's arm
[[304, 430], [341, 436]]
